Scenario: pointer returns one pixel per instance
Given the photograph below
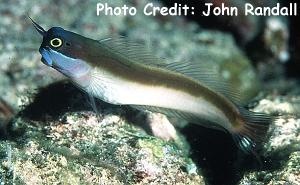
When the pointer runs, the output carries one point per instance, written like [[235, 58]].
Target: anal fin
[[189, 117]]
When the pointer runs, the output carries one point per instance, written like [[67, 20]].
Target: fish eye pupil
[[56, 42]]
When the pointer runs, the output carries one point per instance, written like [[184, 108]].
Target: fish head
[[64, 51]]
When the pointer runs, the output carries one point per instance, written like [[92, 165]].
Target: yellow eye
[[56, 42]]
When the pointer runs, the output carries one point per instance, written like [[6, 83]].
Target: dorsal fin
[[206, 74], [198, 70], [133, 51]]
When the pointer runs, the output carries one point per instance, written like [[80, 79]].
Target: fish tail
[[252, 131]]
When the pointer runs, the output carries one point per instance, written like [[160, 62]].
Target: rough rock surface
[[282, 150], [80, 148]]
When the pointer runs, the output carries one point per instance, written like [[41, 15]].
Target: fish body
[[121, 72], [122, 91]]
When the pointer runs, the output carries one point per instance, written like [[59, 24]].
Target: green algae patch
[[156, 146]]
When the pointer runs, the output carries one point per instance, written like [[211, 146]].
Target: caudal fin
[[252, 131]]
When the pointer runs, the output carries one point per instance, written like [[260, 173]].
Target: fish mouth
[[46, 59]]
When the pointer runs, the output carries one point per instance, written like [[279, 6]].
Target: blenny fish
[[119, 71]]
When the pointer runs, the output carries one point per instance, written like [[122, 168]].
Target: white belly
[[118, 91]]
